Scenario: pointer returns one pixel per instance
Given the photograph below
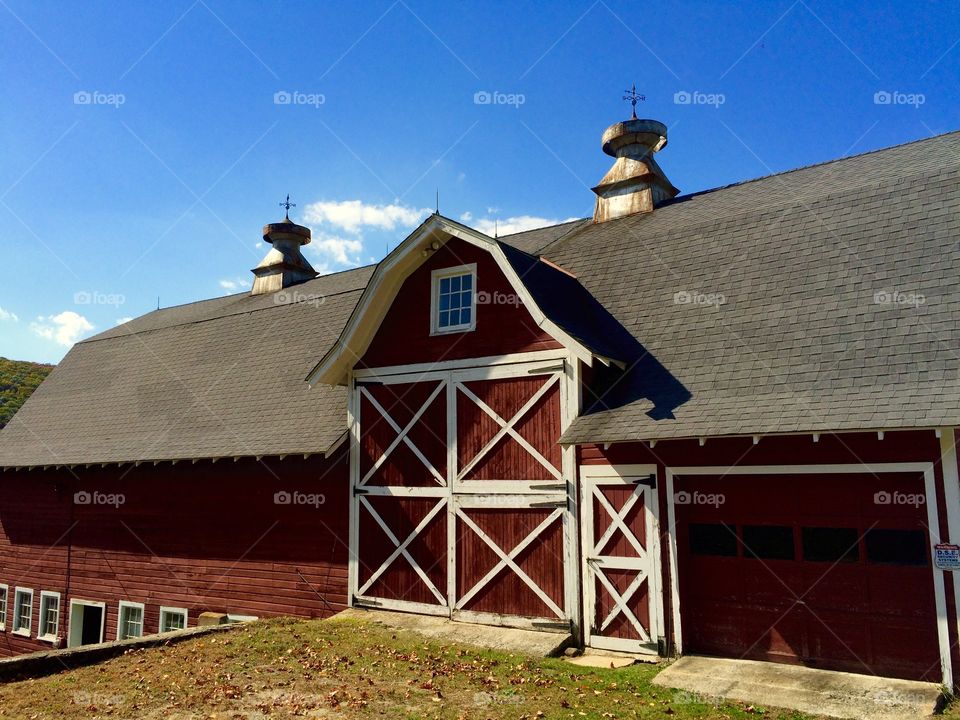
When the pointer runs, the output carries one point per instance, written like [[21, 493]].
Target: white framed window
[[49, 615], [129, 620], [453, 303], [22, 611], [173, 619], [4, 594]]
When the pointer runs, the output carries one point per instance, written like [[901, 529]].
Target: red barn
[[719, 423]]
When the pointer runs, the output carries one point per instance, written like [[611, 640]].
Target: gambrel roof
[[804, 340]]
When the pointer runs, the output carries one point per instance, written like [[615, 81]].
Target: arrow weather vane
[[633, 97], [287, 205]]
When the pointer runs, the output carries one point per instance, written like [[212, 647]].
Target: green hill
[[18, 379]]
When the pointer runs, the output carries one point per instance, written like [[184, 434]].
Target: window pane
[[444, 285], [465, 316], [768, 542], [467, 282], [465, 299], [444, 318], [444, 302], [455, 301], [455, 283], [719, 540], [897, 547], [831, 544]]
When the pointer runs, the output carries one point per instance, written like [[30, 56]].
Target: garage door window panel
[[713, 539], [896, 547], [831, 544], [768, 542]]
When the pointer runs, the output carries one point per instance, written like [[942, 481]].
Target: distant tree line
[[18, 379]]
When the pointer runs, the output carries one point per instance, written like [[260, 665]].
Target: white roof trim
[[393, 270]]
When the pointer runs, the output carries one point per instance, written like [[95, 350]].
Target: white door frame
[[557, 368], [592, 476], [75, 630], [933, 522]]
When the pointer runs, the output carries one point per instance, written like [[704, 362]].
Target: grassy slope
[[18, 379], [348, 669]]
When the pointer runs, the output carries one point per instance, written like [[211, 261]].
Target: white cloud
[[510, 225], [235, 284], [352, 216], [123, 320], [335, 249], [7, 315], [64, 329]]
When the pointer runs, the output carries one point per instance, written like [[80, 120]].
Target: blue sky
[[145, 145]]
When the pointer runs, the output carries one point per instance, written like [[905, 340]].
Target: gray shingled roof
[[799, 344]]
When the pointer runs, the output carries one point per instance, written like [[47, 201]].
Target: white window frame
[[4, 606], [17, 630], [125, 605], [75, 634], [435, 277], [164, 610], [45, 597]]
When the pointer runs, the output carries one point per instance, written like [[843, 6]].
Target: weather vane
[[287, 205], [634, 98]]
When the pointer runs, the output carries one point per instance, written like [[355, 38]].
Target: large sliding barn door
[[461, 494]]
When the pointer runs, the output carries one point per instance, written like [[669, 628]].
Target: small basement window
[[130, 620], [172, 619], [4, 592], [897, 547], [768, 542], [454, 300], [718, 540], [827, 544], [49, 615], [22, 611]]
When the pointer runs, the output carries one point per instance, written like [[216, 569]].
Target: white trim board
[[927, 468]]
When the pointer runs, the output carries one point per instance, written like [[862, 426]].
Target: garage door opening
[[828, 571]]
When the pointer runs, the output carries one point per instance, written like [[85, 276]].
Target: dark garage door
[[827, 571]]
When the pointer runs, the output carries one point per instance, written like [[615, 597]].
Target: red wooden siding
[[502, 328], [207, 537]]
